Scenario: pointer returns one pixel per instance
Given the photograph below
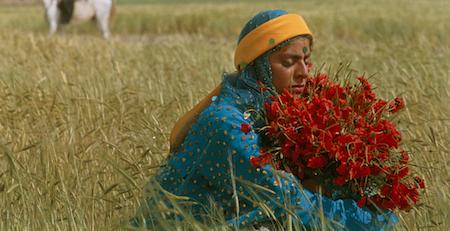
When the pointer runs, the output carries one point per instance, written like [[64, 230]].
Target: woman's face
[[290, 66]]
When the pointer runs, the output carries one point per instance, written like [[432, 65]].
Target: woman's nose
[[301, 70]]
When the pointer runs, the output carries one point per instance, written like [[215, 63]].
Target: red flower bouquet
[[341, 136]]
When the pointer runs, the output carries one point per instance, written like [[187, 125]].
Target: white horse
[[64, 11]]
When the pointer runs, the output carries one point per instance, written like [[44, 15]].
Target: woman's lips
[[297, 89]]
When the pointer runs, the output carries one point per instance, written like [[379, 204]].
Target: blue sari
[[213, 164]]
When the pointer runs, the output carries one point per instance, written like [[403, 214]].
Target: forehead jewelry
[[305, 50]]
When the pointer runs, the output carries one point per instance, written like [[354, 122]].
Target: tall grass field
[[85, 122]]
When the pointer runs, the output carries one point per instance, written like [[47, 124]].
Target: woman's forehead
[[300, 45]]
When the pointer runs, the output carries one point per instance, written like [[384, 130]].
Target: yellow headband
[[267, 36]]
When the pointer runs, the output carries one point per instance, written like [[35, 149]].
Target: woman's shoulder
[[222, 109], [228, 104]]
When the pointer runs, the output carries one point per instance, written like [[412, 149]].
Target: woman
[[212, 145]]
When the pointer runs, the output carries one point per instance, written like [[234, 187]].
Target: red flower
[[340, 180], [362, 201], [383, 156], [261, 160], [342, 169], [385, 190], [388, 204], [379, 106], [357, 171], [420, 182], [405, 157], [245, 128], [375, 170], [316, 162], [342, 134], [397, 104], [403, 172]]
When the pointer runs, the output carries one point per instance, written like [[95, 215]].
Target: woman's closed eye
[[290, 62], [287, 62]]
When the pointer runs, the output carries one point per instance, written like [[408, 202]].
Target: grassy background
[[84, 121]]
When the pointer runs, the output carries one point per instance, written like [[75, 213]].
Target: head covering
[[265, 33]]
